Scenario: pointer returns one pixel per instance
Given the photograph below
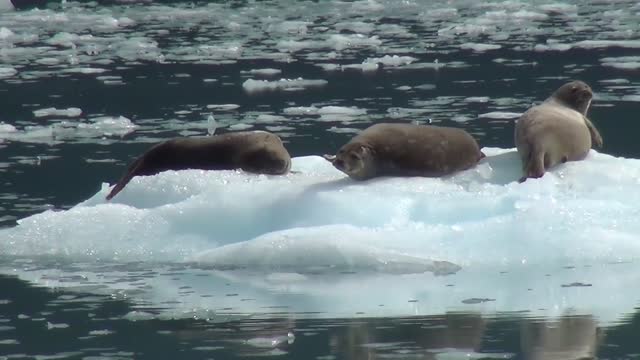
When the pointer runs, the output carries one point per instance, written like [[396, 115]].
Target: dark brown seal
[[557, 130], [257, 152], [407, 150]]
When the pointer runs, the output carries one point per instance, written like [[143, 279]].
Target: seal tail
[[124, 180]]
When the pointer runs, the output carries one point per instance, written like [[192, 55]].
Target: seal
[[556, 131], [387, 149], [258, 152]]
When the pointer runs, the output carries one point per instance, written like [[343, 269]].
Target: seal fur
[[257, 152], [557, 130], [389, 149]]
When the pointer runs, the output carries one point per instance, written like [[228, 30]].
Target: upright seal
[[556, 131], [257, 152], [387, 149]]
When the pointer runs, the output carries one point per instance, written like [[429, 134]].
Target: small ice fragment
[[500, 115], [212, 125], [69, 112]]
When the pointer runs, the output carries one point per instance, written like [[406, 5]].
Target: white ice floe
[[480, 47], [68, 112], [500, 115], [223, 107], [311, 240], [252, 85], [7, 72]]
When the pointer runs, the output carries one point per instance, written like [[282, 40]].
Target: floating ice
[[69, 112], [212, 125], [252, 85], [51, 325], [630, 98], [552, 46], [343, 130], [265, 72], [599, 44], [6, 72], [394, 60], [6, 128], [5, 33], [478, 99], [108, 125], [240, 126], [301, 110], [84, 70], [289, 27], [267, 118], [341, 110], [480, 47], [223, 107], [500, 115], [342, 42], [194, 208], [622, 62], [365, 66], [560, 8], [310, 240]]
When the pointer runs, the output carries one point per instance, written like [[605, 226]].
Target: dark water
[[49, 162], [53, 324]]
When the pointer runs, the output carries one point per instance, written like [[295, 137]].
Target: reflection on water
[[38, 322], [570, 337]]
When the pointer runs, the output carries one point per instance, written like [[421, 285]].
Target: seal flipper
[[534, 165], [596, 138], [131, 172]]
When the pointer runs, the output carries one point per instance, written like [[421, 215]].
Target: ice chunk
[[7, 72], [500, 115], [265, 72], [110, 122], [69, 112], [252, 85], [212, 125], [223, 107], [622, 62], [342, 42], [480, 47], [301, 110], [341, 110], [394, 60], [6, 128], [251, 236], [240, 126], [5, 33]]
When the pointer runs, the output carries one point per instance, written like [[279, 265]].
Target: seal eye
[[574, 90], [354, 157]]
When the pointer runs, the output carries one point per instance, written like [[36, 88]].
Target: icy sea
[[312, 265]]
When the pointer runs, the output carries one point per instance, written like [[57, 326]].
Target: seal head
[[576, 95], [356, 160]]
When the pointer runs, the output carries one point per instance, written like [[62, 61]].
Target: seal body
[[387, 149], [556, 131], [257, 152]]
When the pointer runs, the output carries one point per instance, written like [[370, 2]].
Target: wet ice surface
[[86, 88], [198, 243]]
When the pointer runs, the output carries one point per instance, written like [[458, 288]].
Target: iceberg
[[314, 240]]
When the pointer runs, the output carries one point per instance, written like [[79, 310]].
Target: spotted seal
[[390, 149], [557, 130], [257, 152]]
